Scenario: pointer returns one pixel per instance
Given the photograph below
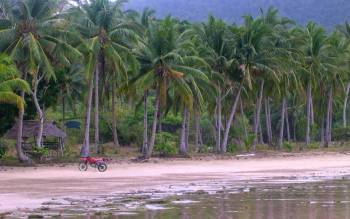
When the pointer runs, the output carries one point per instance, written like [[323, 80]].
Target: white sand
[[29, 187]]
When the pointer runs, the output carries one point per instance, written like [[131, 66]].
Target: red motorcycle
[[99, 163]]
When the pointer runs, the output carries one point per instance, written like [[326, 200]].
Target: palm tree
[[70, 81], [10, 83], [253, 53], [35, 37], [336, 65], [109, 37], [164, 55], [216, 40], [345, 31], [313, 63]]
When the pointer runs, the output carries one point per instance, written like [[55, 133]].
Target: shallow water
[[319, 200]]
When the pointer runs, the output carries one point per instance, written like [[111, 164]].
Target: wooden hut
[[30, 131]]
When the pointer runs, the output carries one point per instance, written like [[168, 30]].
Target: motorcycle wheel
[[102, 167], [83, 166]]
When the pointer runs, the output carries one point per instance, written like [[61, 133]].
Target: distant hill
[[325, 12]]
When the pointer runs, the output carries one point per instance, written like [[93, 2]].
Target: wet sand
[[29, 187]]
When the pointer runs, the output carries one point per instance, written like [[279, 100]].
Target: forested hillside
[[326, 12]]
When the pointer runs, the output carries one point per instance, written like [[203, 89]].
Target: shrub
[[248, 142], [166, 144], [232, 148], [288, 146], [41, 151], [3, 149], [206, 149], [341, 134]]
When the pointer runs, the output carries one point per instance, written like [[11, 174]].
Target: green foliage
[[232, 148], [314, 145], [3, 149], [341, 134], [41, 150], [129, 127], [166, 144], [288, 146], [248, 142], [206, 149]]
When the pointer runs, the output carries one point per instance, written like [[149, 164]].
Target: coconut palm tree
[[10, 84], [216, 41], [34, 36], [345, 31], [164, 55], [108, 37], [336, 67], [254, 55], [313, 62]]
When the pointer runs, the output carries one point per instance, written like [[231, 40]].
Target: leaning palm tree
[[10, 84], [35, 38], [109, 36], [253, 53]]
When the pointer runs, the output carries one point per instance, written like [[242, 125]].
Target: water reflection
[[313, 201]]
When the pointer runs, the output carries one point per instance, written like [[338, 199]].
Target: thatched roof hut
[[31, 128]]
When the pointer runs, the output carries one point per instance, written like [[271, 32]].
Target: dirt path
[[29, 187]]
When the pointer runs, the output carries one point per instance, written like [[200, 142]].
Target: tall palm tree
[[10, 84], [108, 37], [164, 56], [345, 31], [313, 63], [34, 36], [216, 40], [253, 53], [336, 66]]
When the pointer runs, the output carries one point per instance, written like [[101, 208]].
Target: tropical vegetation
[[169, 86]]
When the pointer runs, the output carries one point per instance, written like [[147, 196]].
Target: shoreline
[[26, 188]]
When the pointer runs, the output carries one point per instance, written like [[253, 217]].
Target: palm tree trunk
[[114, 117], [39, 137], [345, 105], [268, 121], [63, 109], [243, 118], [145, 124], [230, 120], [312, 111], [154, 126], [261, 134], [198, 130], [287, 123], [188, 120], [257, 113], [159, 121], [183, 144], [322, 134], [219, 123], [97, 113], [85, 149], [20, 155], [308, 115], [294, 128], [328, 136], [281, 134]]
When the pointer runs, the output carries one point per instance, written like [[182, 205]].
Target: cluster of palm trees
[[267, 64]]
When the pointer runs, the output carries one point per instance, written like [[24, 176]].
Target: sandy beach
[[29, 187]]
